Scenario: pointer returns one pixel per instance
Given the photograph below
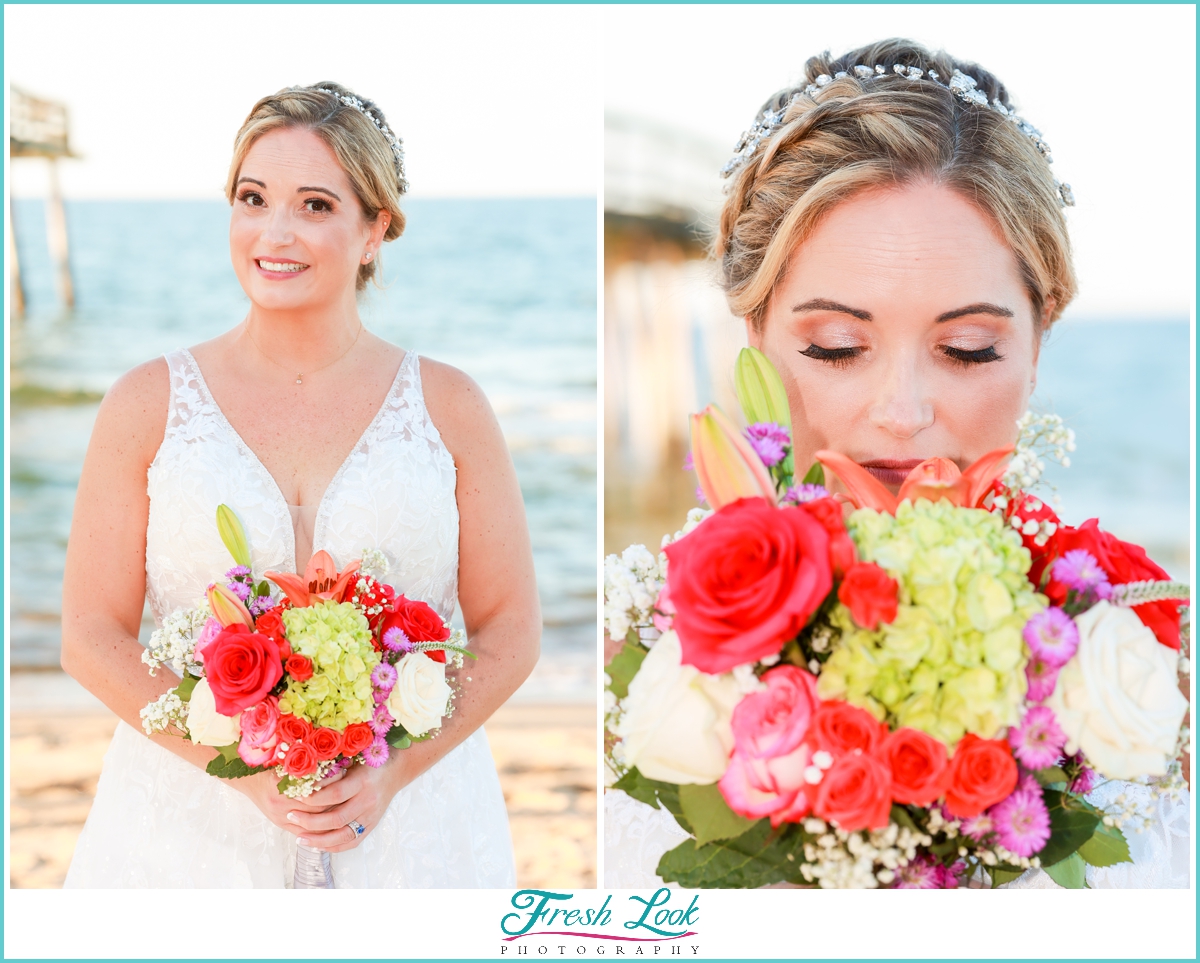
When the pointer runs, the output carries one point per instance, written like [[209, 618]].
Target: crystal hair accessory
[[965, 87], [394, 142]]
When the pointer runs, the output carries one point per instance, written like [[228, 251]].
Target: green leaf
[[760, 390], [902, 817], [814, 476], [1051, 776], [285, 784], [185, 687], [654, 793], [711, 818], [398, 737], [1003, 874], [1107, 847], [1069, 872], [758, 857], [230, 768], [228, 752], [1072, 823], [233, 535], [624, 667]]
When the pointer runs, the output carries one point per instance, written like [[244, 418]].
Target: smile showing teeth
[[284, 268]]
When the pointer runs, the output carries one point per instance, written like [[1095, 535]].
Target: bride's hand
[[263, 790], [361, 794]]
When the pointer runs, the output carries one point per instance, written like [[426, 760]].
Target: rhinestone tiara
[[965, 87], [394, 142]]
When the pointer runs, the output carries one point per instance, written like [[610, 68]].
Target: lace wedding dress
[[636, 836], [159, 821]]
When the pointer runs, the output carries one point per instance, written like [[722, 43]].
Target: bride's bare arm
[[497, 593]]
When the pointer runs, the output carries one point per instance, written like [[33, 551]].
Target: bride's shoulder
[[457, 406], [134, 409]]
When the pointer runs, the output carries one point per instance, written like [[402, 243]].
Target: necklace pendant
[[299, 379]]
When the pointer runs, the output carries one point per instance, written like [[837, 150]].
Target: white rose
[[421, 694], [675, 720], [207, 726], [1118, 698]]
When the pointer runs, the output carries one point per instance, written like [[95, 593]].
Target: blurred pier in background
[[669, 339], [41, 129]]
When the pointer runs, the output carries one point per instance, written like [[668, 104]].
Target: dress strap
[[185, 389]]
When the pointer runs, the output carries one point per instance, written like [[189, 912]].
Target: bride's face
[[297, 234], [903, 331]]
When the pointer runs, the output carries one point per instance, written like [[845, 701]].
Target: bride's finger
[[335, 840], [330, 820]]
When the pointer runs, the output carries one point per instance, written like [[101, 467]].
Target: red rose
[[270, 624], [326, 743], [356, 738], [293, 729], [869, 594], [982, 772], [746, 581], [241, 667], [918, 764], [840, 728], [841, 546], [1124, 562], [301, 760], [855, 793], [416, 620], [299, 667]]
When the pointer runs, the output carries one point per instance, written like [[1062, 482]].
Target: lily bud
[[760, 390], [233, 535], [226, 607], [728, 468], [934, 479]]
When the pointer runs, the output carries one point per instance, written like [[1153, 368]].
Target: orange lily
[[728, 468], [226, 607], [321, 580], [933, 479]]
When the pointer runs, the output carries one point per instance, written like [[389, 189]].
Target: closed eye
[[980, 356], [838, 357]]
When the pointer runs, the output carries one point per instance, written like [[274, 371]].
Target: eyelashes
[[842, 357]]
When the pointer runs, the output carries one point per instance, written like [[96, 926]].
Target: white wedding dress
[[159, 821]]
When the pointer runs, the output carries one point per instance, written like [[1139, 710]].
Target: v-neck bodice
[[395, 492]]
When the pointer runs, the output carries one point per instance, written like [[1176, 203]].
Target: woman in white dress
[[894, 238], [321, 436]]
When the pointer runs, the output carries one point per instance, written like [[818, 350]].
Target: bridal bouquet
[[909, 695], [338, 670]]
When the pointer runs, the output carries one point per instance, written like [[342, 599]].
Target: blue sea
[[503, 289]]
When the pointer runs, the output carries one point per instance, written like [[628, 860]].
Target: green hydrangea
[[953, 660], [337, 638]]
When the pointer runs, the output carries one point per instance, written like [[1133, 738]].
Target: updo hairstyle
[[887, 130], [361, 149]]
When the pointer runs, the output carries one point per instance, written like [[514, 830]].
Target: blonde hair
[[361, 150], [854, 134]]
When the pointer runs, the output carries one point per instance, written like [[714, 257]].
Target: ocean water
[[504, 289]]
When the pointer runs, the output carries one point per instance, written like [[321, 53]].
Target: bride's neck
[[303, 338]]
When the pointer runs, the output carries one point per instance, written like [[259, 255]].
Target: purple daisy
[[1042, 678], [1022, 822], [376, 754], [1038, 740], [237, 571], [921, 873], [384, 677], [769, 441], [978, 827], [950, 877], [260, 604], [1079, 570], [394, 640], [799, 494], [382, 722], [1086, 780], [1052, 636], [240, 589]]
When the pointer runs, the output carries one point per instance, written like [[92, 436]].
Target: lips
[[279, 267], [891, 471]]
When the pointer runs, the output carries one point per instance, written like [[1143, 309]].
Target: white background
[[1112, 88], [491, 101]]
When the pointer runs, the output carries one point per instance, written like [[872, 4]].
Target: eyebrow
[[299, 190], [824, 304]]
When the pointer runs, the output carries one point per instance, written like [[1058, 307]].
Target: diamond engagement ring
[[356, 827]]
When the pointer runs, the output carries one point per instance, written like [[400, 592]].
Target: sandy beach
[[545, 755]]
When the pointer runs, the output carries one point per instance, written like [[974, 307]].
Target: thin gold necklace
[[300, 374]]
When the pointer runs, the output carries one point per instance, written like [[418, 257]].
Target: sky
[[1111, 87], [491, 101]]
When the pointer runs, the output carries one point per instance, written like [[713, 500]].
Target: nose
[[901, 406], [278, 231]]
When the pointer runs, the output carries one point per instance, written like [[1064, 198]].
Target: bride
[[894, 239], [321, 436]]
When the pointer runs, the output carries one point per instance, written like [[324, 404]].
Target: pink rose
[[260, 733], [664, 611], [766, 773], [210, 631]]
